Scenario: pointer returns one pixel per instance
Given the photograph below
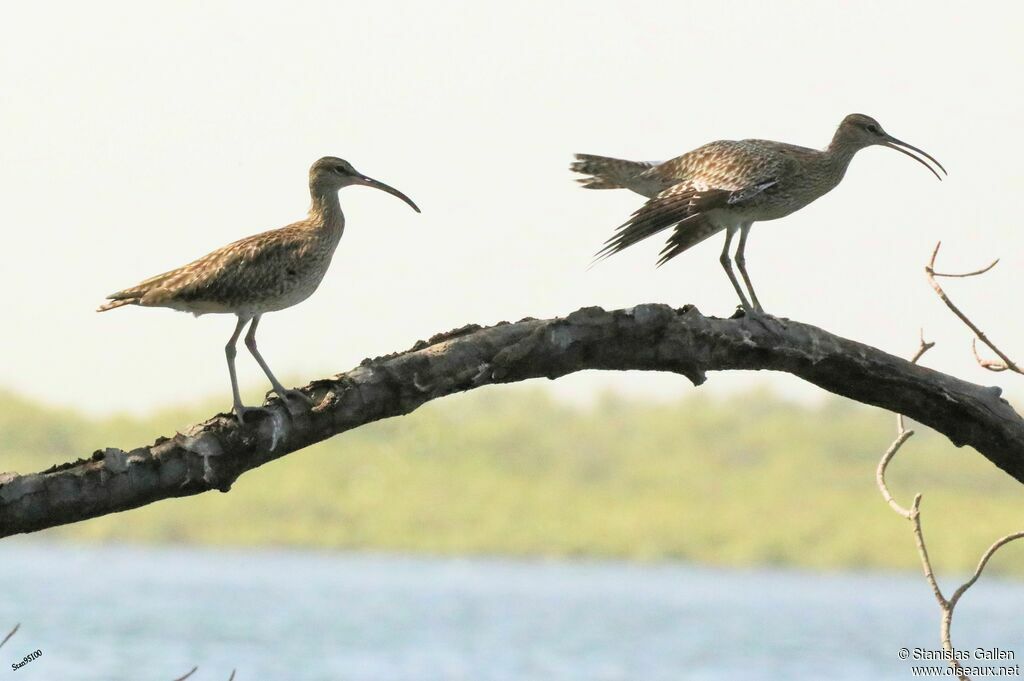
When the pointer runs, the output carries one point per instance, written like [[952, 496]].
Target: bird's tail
[[116, 303], [129, 296], [136, 294], [607, 173]]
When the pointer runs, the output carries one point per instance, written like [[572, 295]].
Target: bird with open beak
[[262, 273], [728, 186]]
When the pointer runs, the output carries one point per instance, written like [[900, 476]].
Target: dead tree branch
[[913, 514], [212, 454], [991, 365]]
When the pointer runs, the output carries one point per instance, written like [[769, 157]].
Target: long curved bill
[[370, 182], [902, 147]]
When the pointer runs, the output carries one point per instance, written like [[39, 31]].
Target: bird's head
[[331, 174], [858, 131]]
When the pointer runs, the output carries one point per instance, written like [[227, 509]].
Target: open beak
[[902, 147], [370, 182]]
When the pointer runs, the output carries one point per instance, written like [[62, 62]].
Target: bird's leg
[[284, 393], [741, 263], [727, 264], [769, 322], [229, 350]]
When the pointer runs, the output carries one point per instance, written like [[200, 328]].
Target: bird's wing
[[745, 194], [677, 205], [715, 176], [730, 164], [240, 269], [687, 233]]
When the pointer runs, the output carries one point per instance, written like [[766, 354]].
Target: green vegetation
[[744, 480]]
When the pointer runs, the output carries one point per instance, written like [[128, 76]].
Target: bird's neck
[[325, 212], [842, 149], [838, 155]]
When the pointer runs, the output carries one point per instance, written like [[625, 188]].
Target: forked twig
[[1006, 364], [913, 514]]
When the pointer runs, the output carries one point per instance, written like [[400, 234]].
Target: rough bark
[[212, 454]]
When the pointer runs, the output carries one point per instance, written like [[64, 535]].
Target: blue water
[[119, 613]]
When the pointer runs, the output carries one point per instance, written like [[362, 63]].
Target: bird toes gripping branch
[[768, 321], [292, 398], [298, 396], [242, 413]]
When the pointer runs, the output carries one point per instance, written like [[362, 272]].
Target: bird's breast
[[786, 198], [294, 280]]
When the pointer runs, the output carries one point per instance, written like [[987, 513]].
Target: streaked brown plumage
[[728, 185], [261, 273]]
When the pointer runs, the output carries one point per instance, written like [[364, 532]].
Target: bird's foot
[[769, 322], [291, 397], [242, 411], [297, 396]]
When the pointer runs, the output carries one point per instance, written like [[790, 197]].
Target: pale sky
[[134, 140]]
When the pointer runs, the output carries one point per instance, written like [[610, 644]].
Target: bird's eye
[[873, 129], [340, 169]]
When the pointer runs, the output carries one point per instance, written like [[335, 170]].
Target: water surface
[[127, 613]]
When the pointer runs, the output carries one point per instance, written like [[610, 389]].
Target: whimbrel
[[729, 185], [262, 273]]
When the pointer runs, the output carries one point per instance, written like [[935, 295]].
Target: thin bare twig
[[989, 364], [996, 545], [180, 678], [902, 435], [959, 275], [194, 669], [913, 514], [8, 636], [1006, 364], [926, 563]]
